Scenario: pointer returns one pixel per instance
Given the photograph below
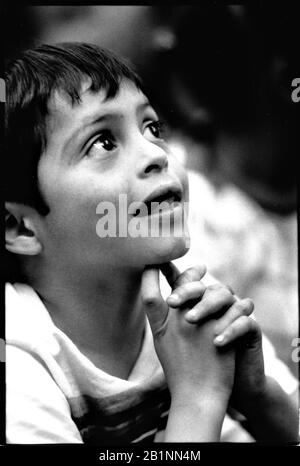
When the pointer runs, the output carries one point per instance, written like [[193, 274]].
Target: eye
[[157, 129], [105, 142]]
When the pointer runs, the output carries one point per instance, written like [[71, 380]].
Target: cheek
[[73, 200]]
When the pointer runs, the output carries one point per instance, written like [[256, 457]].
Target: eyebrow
[[115, 114]]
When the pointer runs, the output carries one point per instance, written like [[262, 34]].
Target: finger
[[187, 292], [152, 301], [175, 278], [192, 274], [239, 328], [239, 308], [215, 298], [171, 272]]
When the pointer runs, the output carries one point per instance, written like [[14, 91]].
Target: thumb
[[152, 301]]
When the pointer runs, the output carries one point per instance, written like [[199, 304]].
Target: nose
[[152, 158]]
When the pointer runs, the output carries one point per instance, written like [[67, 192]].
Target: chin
[[166, 249]]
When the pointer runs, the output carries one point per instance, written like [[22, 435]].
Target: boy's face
[[96, 151]]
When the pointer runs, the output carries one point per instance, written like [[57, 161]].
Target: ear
[[20, 232]]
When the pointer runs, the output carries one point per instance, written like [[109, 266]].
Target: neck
[[101, 315]]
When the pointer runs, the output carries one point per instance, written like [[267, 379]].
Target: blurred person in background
[[233, 122]]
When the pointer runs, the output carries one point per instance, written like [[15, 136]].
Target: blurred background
[[221, 78]]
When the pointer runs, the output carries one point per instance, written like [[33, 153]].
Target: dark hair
[[30, 82]]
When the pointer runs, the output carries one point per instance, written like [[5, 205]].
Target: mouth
[[165, 198]]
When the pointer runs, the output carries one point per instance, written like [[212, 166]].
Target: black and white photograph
[[150, 267]]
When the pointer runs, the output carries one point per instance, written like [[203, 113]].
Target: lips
[[164, 198]]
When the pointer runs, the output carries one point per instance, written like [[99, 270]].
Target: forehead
[[62, 112]]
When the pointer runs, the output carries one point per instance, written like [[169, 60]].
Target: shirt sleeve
[[37, 412]]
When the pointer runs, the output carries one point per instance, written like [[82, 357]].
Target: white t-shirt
[[57, 395]]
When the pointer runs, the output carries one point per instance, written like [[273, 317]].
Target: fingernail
[[173, 299], [191, 315], [219, 339]]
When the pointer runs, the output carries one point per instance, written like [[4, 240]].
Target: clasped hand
[[206, 341]]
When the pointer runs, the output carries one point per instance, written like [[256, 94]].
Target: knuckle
[[150, 301], [240, 306], [185, 288], [201, 269], [181, 291], [184, 278], [245, 306], [212, 289], [227, 293], [189, 288], [192, 273], [197, 270], [244, 321], [223, 294], [248, 304], [239, 310], [224, 290], [199, 286]]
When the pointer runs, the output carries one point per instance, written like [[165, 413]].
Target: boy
[[81, 364]]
